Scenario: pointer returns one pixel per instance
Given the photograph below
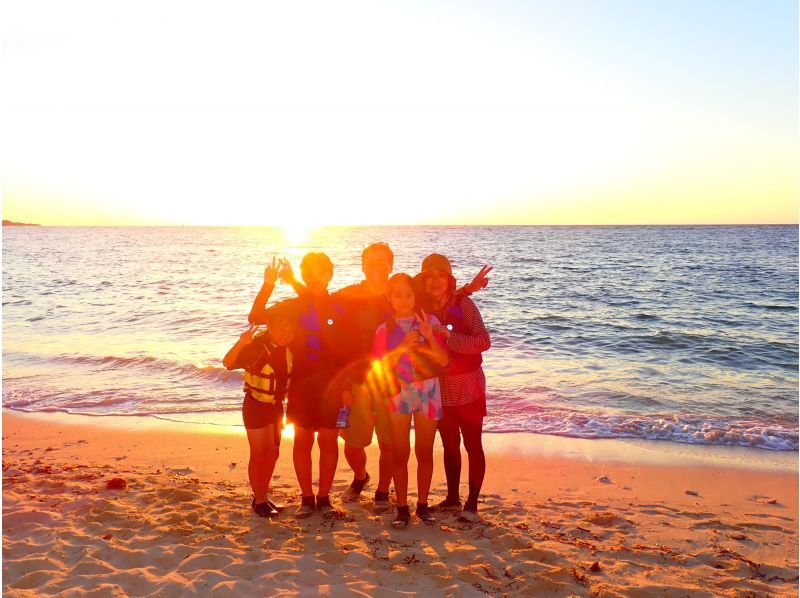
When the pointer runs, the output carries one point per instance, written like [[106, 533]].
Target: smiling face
[[376, 266], [316, 270], [402, 300], [437, 283], [281, 331], [317, 279]]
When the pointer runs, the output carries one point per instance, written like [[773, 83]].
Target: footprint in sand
[[332, 557], [607, 519], [30, 518], [765, 500], [176, 494], [204, 561], [568, 504], [509, 542], [716, 524], [91, 569], [184, 471], [31, 580], [769, 516], [760, 526]]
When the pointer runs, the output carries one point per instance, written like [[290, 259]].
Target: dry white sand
[[559, 516]]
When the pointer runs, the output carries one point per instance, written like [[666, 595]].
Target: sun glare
[[297, 234]]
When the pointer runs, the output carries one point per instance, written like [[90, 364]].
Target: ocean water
[[682, 334]]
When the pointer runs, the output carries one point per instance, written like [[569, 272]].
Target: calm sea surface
[[686, 334]]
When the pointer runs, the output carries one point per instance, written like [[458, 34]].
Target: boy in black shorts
[[321, 349]]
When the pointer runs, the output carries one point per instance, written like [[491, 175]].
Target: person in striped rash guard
[[463, 383]]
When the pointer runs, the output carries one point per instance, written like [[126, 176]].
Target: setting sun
[[297, 234]]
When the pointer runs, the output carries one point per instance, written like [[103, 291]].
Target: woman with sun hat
[[463, 383]]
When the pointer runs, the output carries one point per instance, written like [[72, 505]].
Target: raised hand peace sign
[[286, 272], [481, 279], [271, 273], [425, 328]]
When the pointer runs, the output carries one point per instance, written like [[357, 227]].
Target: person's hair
[[281, 311], [398, 279], [379, 247], [315, 259]]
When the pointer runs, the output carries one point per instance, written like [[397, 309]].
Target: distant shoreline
[[10, 223]]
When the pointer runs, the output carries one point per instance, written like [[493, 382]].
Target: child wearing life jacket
[[267, 363], [408, 356]]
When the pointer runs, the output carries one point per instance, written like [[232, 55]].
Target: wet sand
[[558, 516]]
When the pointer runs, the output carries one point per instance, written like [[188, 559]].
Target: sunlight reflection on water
[[609, 322]]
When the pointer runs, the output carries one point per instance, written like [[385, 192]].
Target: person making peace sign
[[408, 357]]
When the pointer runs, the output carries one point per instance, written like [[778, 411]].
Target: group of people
[[365, 360]]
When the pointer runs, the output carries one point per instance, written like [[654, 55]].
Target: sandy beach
[[559, 516]]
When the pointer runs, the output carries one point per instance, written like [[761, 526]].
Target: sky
[[302, 114]]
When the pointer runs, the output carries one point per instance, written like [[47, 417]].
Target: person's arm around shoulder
[[476, 340], [480, 281]]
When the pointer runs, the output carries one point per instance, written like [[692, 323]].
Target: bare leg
[[385, 466], [424, 435], [451, 441], [400, 426], [477, 460], [357, 460], [328, 440], [263, 455], [386, 459], [272, 459], [301, 455]]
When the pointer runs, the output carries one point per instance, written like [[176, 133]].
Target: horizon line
[[279, 226]]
